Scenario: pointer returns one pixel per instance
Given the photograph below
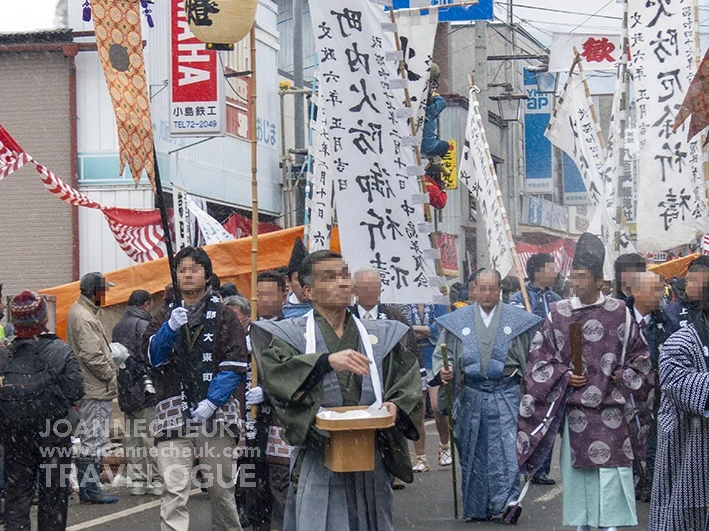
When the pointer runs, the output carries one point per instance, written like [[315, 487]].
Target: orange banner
[[231, 262]]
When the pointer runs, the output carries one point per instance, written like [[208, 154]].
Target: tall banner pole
[[498, 194], [254, 202]]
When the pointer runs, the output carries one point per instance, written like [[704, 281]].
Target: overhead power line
[[594, 15], [550, 10]]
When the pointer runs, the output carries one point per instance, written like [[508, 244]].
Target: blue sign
[[538, 149], [574, 189], [480, 11]]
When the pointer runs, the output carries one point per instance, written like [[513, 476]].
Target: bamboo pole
[[433, 237], [594, 116], [254, 201], [498, 194], [577, 60]]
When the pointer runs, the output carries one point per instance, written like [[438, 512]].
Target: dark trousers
[[435, 148], [29, 462], [279, 476]]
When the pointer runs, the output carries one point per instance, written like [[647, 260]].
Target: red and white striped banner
[[562, 251], [138, 232], [12, 158]]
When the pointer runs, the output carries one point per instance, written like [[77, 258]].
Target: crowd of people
[[623, 380]]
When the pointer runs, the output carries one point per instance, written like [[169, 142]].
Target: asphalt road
[[427, 504]]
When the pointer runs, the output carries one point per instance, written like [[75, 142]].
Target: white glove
[[254, 396], [178, 318], [203, 411]]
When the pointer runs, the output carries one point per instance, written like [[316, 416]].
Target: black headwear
[[590, 254], [296, 257]]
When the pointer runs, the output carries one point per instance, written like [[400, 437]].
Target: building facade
[[38, 239]]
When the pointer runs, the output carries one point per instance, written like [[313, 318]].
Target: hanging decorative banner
[[477, 172], [598, 52], [322, 193], [373, 172], [120, 48], [212, 231], [672, 205], [183, 237], [450, 161], [197, 99]]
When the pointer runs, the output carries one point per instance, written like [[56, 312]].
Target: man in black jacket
[[686, 310], [136, 397], [38, 453]]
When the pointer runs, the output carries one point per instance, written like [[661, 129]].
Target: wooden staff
[[254, 202], [594, 116], [576, 343], [449, 396], [433, 237], [500, 202]]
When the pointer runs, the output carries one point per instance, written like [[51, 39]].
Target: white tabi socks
[[588, 528]]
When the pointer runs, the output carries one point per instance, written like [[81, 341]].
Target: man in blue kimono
[[488, 343]]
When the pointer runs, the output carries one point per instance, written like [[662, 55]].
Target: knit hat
[[29, 314]]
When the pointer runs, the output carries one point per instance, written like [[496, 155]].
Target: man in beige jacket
[[87, 337]]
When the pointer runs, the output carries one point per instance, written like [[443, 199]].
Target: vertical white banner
[[476, 171], [417, 35], [379, 207], [672, 207], [181, 215]]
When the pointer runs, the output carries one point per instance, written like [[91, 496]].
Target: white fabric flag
[[183, 237], [417, 35], [476, 171], [379, 207], [605, 222], [574, 131], [672, 206], [211, 229]]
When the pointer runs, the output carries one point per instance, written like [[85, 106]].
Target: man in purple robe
[[602, 433]]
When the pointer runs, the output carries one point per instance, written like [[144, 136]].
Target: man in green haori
[[316, 361]]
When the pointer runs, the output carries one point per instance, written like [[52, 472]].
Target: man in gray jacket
[[86, 336]]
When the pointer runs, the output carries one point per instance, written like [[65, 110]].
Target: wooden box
[[351, 444]]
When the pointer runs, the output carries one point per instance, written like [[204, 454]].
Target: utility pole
[[481, 81], [298, 81]]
